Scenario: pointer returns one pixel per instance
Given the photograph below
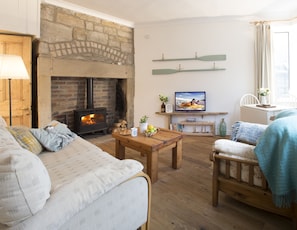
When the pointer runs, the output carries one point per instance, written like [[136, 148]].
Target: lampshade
[[12, 67]]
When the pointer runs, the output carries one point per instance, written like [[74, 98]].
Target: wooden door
[[20, 89]]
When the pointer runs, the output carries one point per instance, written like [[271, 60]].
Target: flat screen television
[[190, 101]]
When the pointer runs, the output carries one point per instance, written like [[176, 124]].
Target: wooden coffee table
[[150, 147]]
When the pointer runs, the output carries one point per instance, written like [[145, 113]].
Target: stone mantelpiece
[[77, 45]]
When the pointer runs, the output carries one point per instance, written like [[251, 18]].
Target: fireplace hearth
[[90, 121]]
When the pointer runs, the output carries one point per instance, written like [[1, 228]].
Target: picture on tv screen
[[190, 101]]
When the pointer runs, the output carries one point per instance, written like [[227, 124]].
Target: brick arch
[[93, 50]]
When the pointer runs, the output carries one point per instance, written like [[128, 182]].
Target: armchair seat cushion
[[235, 149]]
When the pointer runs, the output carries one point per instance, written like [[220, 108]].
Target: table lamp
[[12, 67]]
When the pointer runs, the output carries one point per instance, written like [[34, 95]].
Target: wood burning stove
[[90, 120]]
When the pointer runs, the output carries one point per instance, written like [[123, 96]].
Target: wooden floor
[[181, 199]]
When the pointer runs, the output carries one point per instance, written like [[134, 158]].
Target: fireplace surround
[[49, 67]]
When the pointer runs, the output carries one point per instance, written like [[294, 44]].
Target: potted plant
[[143, 123], [164, 100]]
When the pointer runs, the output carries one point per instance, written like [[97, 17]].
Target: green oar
[[218, 57], [171, 71]]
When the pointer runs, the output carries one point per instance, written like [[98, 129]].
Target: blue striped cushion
[[247, 132]]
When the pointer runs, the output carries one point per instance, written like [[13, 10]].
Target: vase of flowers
[[164, 100], [264, 92], [143, 123]]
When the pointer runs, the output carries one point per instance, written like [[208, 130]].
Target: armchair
[[237, 172]]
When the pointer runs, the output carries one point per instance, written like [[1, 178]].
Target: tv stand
[[203, 124]]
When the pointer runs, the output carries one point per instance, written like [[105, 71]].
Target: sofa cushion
[[25, 138], [2, 122], [25, 183], [6, 139], [54, 138]]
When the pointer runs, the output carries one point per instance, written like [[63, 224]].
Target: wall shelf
[[213, 58], [200, 127]]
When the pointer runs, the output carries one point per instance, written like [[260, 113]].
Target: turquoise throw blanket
[[277, 155]]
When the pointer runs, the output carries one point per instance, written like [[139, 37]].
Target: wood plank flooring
[[181, 199]]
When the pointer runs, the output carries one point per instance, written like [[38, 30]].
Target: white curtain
[[263, 60]]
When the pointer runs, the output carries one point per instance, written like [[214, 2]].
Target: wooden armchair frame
[[246, 192]]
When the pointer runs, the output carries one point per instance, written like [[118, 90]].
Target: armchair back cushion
[[246, 132]]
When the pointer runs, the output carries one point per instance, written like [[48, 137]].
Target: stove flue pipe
[[90, 94]]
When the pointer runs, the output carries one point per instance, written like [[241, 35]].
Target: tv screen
[[190, 101]]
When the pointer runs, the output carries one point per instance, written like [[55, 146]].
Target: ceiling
[[133, 12]]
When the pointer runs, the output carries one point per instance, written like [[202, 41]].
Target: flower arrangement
[[143, 119], [263, 91], [163, 99]]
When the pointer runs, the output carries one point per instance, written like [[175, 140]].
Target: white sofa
[[75, 186]]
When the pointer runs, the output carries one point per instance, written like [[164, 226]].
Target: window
[[284, 57], [281, 67]]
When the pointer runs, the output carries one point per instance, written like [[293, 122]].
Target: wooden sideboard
[[261, 115], [200, 126]]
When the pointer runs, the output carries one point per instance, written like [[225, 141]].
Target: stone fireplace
[[77, 46]]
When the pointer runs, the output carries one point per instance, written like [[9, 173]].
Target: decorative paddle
[[171, 71], [217, 57]]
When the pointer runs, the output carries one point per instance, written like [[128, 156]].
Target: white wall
[[182, 39], [20, 16]]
